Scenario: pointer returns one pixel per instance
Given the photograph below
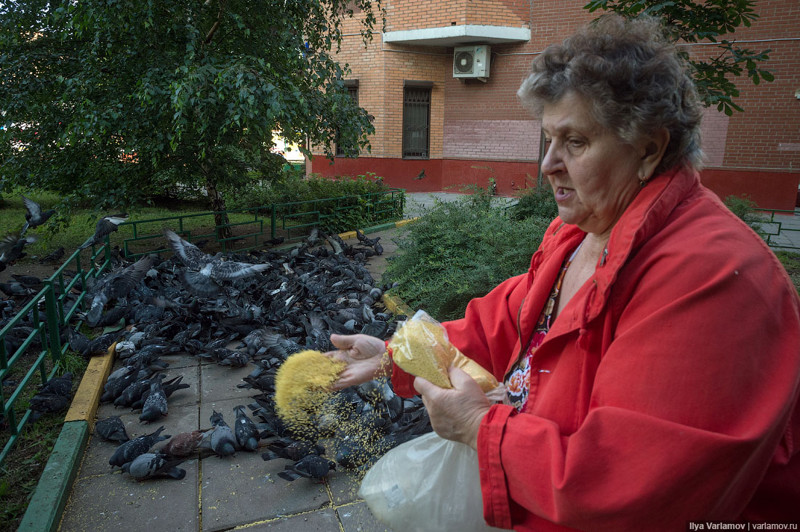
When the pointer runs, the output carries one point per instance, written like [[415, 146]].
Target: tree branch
[[215, 26]]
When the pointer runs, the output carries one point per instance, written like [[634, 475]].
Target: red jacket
[[667, 388]]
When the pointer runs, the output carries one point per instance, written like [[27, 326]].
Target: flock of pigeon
[[240, 310]]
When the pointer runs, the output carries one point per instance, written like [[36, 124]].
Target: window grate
[[416, 122], [352, 91]]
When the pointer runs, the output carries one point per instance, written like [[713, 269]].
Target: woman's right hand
[[365, 356]]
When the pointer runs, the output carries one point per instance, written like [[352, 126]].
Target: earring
[[642, 178]]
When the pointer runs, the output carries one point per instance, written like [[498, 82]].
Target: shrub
[[460, 250], [535, 202], [745, 209]]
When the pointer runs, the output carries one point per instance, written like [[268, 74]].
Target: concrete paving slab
[[244, 488], [114, 502], [344, 487], [321, 521], [220, 382], [356, 517]]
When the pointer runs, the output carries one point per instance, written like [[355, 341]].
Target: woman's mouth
[[563, 194]]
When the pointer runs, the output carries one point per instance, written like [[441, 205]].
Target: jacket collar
[[644, 217]]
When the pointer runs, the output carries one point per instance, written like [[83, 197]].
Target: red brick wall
[[492, 139], [756, 152]]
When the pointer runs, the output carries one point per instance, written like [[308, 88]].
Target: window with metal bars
[[416, 121], [352, 91]]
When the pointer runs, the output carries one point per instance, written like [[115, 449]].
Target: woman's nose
[[551, 163]]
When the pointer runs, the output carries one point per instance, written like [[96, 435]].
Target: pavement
[[242, 492]]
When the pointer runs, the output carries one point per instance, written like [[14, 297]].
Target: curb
[[377, 228], [52, 492]]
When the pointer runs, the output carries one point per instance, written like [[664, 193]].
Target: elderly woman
[[651, 353]]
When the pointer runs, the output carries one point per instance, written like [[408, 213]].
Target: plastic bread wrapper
[[421, 347]]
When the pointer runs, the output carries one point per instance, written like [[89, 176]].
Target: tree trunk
[[221, 221]]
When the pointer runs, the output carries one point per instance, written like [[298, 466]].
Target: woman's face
[[594, 174]]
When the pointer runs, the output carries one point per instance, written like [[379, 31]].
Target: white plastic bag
[[426, 484]]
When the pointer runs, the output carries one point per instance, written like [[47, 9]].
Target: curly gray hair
[[633, 78]]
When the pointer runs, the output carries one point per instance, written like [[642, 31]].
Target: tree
[[116, 101], [691, 22]]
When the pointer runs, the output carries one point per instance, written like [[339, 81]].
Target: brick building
[[471, 130]]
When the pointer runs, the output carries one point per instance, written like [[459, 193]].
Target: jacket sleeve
[[689, 402], [486, 333]]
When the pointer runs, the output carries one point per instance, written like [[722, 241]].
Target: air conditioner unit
[[471, 61]]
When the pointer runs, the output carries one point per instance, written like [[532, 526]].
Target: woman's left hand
[[455, 413]]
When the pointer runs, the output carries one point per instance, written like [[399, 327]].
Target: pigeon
[[129, 450], [310, 466], [47, 403], [59, 385], [11, 247], [111, 429], [29, 281], [223, 440], [155, 406], [53, 397], [421, 174], [203, 268], [171, 386], [292, 449], [116, 286], [154, 465], [54, 257], [16, 289], [187, 444], [105, 226], [136, 389], [35, 216], [245, 430]]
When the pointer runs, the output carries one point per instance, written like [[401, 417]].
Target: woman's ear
[[653, 152]]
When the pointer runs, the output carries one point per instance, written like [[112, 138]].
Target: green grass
[[72, 230], [23, 467]]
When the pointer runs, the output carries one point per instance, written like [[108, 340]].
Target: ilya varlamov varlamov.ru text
[[712, 525]]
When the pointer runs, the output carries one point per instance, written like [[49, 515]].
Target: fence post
[[272, 221], [53, 322]]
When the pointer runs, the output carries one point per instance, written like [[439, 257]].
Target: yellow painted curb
[[347, 234], [87, 398], [395, 305], [404, 222]]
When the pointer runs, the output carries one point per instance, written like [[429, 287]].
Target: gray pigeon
[[34, 217], [155, 406], [104, 227], [310, 466], [111, 429], [223, 440], [203, 268], [131, 449], [53, 257], [116, 286], [11, 247], [154, 465], [54, 396], [246, 432]]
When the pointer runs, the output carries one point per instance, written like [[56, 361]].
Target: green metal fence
[[32, 360], [251, 228]]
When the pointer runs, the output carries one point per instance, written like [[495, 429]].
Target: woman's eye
[[575, 143]]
